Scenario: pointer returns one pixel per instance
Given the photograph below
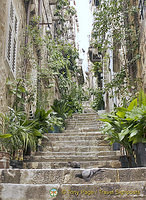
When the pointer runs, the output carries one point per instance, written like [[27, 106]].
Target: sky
[[85, 27]]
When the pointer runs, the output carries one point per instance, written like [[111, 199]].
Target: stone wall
[[21, 6], [5, 71], [142, 66]]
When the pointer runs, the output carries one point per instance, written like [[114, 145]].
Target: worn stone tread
[[67, 158], [68, 176], [83, 164], [93, 153], [98, 191], [78, 148]]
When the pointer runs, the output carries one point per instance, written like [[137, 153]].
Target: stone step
[[84, 115], [83, 164], [76, 148], [75, 133], [96, 128], [84, 121], [80, 123], [95, 153], [79, 143], [91, 122], [83, 129], [74, 138], [99, 191], [68, 176], [63, 158]]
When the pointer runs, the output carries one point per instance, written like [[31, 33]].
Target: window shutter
[[12, 38], [9, 44], [14, 56]]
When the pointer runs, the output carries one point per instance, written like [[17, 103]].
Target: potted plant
[[127, 127], [4, 155], [18, 134], [137, 117], [115, 131]]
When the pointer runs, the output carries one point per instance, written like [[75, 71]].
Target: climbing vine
[[116, 27], [64, 13]]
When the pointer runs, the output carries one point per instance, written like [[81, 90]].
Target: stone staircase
[[69, 165]]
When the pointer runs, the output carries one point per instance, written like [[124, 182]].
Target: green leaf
[[105, 120], [122, 109], [134, 132], [37, 133], [5, 136], [9, 82], [22, 89], [132, 104], [123, 134], [142, 98], [120, 114], [19, 95]]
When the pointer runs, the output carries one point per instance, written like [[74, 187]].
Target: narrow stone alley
[[75, 164], [72, 100]]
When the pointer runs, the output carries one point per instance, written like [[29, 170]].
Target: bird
[[88, 174], [74, 164]]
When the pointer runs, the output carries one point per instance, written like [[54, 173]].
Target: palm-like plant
[[19, 132]]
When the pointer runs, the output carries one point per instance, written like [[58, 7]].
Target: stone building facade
[[142, 64], [15, 17], [111, 59], [8, 58]]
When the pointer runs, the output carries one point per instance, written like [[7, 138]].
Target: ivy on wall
[[116, 27]]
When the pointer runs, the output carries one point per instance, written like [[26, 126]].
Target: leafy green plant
[[127, 125], [98, 102], [61, 108], [116, 28], [42, 118], [19, 89], [3, 134], [135, 116], [46, 120], [63, 12], [20, 132]]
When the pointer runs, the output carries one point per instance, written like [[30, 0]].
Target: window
[[11, 46], [96, 2]]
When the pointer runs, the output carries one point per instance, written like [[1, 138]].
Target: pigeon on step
[[88, 174], [74, 164]]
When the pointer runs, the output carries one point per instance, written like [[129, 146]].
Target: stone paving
[[76, 164]]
